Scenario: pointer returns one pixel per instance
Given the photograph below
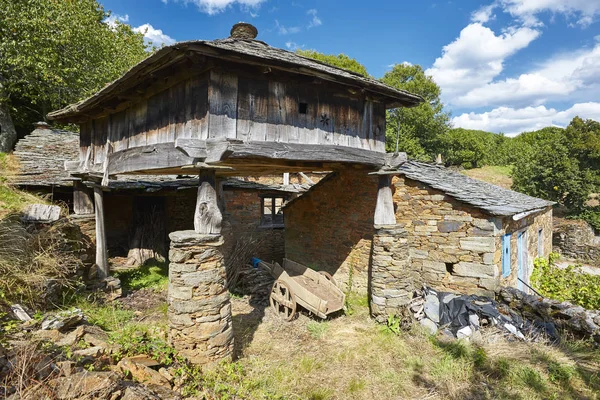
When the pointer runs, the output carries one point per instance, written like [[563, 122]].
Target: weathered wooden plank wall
[[223, 104]]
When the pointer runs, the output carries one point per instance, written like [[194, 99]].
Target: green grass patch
[[150, 275], [496, 174], [108, 316], [317, 329]]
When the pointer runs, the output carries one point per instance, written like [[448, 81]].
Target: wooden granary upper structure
[[236, 105]]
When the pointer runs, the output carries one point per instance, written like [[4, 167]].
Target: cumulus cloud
[[476, 57], [153, 36], [514, 121], [315, 20], [213, 7], [574, 73], [584, 11]]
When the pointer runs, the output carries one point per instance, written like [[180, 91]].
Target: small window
[[272, 211], [506, 255], [302, 108], [540, 243]]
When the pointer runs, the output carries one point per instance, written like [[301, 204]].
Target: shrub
[[566, 284], [36, 264]]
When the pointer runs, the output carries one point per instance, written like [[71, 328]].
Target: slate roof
[[243, 51], [41, 157], [490, 198]]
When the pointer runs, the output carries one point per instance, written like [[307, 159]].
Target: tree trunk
[[8, 134]]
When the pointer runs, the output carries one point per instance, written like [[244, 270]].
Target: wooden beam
[[101, 251], [384, 209], [83, 201], [156, 156], [305, 152], [207, 217]]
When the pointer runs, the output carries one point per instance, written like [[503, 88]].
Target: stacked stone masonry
[[200, 324], [330, 227], [577, 240], [451, 246]]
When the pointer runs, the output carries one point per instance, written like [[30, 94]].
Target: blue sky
[[503, 66]]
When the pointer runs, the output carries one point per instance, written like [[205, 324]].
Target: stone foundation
[[200, 325]]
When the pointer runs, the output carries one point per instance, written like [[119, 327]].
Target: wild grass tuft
[[317, 329], [153, 275]]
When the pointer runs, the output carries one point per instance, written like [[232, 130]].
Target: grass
[[352, 357], [11, 199], [151, 275], [495, 174]]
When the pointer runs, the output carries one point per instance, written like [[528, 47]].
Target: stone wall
[[531, 225], [577, 240], [454, 247], [392, 277], [242, 215], [200, 325], [330, 227], [445, 244]]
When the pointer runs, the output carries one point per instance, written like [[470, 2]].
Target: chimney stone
[[243, 30]]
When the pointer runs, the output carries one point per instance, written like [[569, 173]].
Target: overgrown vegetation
[[37, 264], [565, 284]]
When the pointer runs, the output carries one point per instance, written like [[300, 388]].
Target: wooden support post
[[208, 217], [83, 202], [384, 209], [286, 178], [101, 253]]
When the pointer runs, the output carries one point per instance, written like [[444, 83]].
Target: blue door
[[506, 255], [522, 260]]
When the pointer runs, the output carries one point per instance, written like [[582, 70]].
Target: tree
[[421, 126], [340, 61], [55, 52], [467, 148], [562, 165]]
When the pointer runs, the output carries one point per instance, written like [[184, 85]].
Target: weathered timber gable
[[219, 104]]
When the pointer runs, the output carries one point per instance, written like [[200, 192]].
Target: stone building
[[451, 232], [239, 107]]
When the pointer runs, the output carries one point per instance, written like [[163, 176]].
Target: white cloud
[[293, 46], [476, 57], [575, 73], [484, 14], [315, 20], [153, 36], [514, 121], [285, 30], [585, 11], [114, 18], [213, 7]]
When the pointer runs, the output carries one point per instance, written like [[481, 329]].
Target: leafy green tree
[[562, 165], [55, 52], [467, 148], [340, 61], [420, 126]]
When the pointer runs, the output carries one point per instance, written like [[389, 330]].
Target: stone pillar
[[392, 279], [200, 325]]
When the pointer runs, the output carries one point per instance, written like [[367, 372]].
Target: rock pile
[[462, 316], [60, 369], [546, 312]]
